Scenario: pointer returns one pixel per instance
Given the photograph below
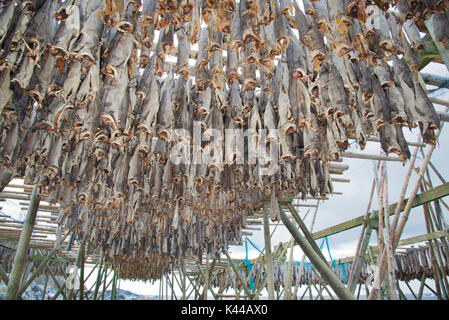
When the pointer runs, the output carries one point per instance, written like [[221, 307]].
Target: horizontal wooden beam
[[405, 242], [422, 198], [409, 143], [354, 155], [340, 180]]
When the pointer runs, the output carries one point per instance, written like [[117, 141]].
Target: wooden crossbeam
[[425, 197]]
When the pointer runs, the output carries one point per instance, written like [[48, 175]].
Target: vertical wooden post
[[3, 275], [397, 231], [206, 280], [104, 282], [166, 287], [388, 240], [288, 284], [322, 267], [362, 245], [81, 265], [183, 281], [22, 247], [268, 258], [45, 286], [114, 285], [172, 286], [160, 289], [358, 263], [77, 265], [98, 280]]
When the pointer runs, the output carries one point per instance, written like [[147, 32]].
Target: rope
[[248, 263]]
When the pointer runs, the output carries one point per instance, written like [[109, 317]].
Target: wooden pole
[[98, 281], [303, 259], [45, 286], [203, 295], [81, 265], [322, 267], [114, 286], [183, 281], [3, 275], [268, 258], [288, 284], [40, 268], [360, 260], [306, 232], [77, 264], [388, 240], [22, 247], [104, 282], [362, 245], [60, 287], [193, 285], [172, 286], [354, 155], [237, 273], [398, 231]]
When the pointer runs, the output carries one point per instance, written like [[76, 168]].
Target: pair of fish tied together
[[97, 96]]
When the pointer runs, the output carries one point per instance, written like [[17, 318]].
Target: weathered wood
[[322, 267], [388, 240], [400, 227], [79, 258], [242, 282], [362, 245], [303, 258], [3, 275], [44, 291], [268, 255], [403, 242], [354, 155], [40, 268], [99, 275], [306, 233], [427, 196], [60, 287], [288, 285], [22, 247]]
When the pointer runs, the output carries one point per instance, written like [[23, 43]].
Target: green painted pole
[[22, 248]]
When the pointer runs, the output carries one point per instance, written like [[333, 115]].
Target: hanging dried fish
[[91, 103]]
